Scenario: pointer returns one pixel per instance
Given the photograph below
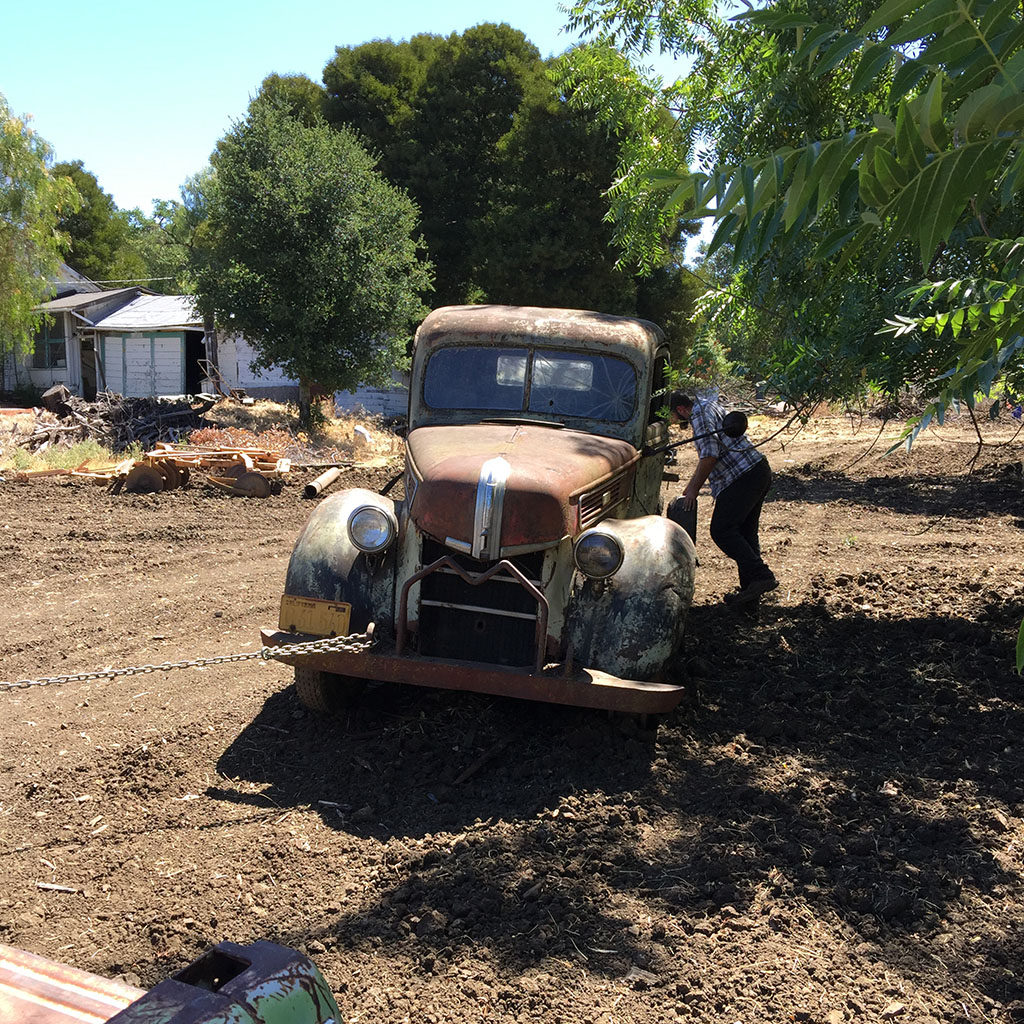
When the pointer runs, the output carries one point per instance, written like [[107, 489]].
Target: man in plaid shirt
[[739, 476]]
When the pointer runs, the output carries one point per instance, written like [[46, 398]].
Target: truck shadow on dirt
[[861, 768]]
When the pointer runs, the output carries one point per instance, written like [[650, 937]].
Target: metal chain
[[354, 643]]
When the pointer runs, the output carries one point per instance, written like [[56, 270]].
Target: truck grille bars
[[505, 572]]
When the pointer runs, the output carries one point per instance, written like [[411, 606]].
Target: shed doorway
[[195, 354]]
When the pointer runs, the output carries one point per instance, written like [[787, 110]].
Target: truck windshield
[[560, 383]]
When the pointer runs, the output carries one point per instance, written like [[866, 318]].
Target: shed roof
[[83, 299], [154, 313]]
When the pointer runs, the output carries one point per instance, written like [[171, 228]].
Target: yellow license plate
[[313, 616]]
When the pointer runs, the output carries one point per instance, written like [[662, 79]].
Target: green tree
[[98, 233], [922, 190], [437, 110], [308, 252], [298, 95], [509, 176], [32, 201]]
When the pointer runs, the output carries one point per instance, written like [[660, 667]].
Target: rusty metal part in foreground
[[261, 983], [34, 990], [583, 688]]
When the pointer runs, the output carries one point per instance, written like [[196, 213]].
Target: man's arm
[[700, 474]]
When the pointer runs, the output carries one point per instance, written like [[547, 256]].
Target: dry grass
[[275, 425], [270, 425]]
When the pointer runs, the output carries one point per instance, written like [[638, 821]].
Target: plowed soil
[[833, 831]]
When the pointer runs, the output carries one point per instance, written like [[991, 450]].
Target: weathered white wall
[[393, 401], [70, 375], [236, 357], [142, 365]]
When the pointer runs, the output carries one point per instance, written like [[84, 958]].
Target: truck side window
[[659, 395]]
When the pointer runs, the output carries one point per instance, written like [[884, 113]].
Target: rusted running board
[[34, 990], [586, 688]]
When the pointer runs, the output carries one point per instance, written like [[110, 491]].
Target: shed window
[[50, 351]]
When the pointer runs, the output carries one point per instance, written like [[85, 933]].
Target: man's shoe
[[752, 591]]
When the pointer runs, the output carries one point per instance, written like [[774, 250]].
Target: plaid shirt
[[735, 456]]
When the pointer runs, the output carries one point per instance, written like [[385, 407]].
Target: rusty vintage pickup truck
[[528, 556]]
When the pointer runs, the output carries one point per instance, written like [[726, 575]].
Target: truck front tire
[[326, 692]]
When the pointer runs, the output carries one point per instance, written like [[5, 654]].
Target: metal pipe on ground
[[321, 483]]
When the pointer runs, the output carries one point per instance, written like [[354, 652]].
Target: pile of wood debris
[[112, 420], [250, 472]]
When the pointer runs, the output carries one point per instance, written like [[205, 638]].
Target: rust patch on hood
[[550, 470]]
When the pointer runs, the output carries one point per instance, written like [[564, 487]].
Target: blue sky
[[140, 92]]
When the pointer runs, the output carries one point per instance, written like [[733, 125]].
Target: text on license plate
[[313, 616]]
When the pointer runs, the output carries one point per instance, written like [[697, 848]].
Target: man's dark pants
[[735, 521]]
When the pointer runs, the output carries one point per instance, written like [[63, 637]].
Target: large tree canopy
[[308, 251], [114, 246], [879, 149], [509, 177], [98, 234], [32, 200]]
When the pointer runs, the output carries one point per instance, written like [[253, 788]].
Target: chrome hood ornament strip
[[490, 498]]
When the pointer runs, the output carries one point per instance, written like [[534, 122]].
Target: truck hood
[[496, 489]]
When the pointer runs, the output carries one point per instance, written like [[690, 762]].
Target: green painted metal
[[261, 983]]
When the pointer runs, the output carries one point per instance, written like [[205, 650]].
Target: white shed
[[152, 346]]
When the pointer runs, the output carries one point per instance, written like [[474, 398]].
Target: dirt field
[[836, 832]]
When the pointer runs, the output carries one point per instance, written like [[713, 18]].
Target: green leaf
[[873, 61], [924, 20], [835, 163], [769, 230], [890, 13], [935, 202], [679, 195], [1013, 71], [734, 192], [747, 173], [725, 229], [814, 38], [836, 54], [1007, 115], [972, 116], [883, 124], [933, 128], [1010, 181], [833, 242], [908, 74], [766, 190], [854, 247], [891, 176], [872, 193], [954, 44], [775, 21], [999, 15], [795, 203], [910, 148]]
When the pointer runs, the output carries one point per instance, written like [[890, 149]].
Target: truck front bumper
[[584, 688]]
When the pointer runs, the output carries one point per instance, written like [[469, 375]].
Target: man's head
[[680, 407]]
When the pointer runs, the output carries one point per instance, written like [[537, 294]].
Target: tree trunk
[[305, 403]]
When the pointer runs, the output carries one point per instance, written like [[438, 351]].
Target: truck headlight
[[597, 554], [371, 529]]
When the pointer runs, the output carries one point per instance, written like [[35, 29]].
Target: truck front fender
[[632, 624], [325, 564]]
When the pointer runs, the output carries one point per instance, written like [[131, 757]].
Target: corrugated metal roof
[[68, 280], [154, 312], [83, 299]]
